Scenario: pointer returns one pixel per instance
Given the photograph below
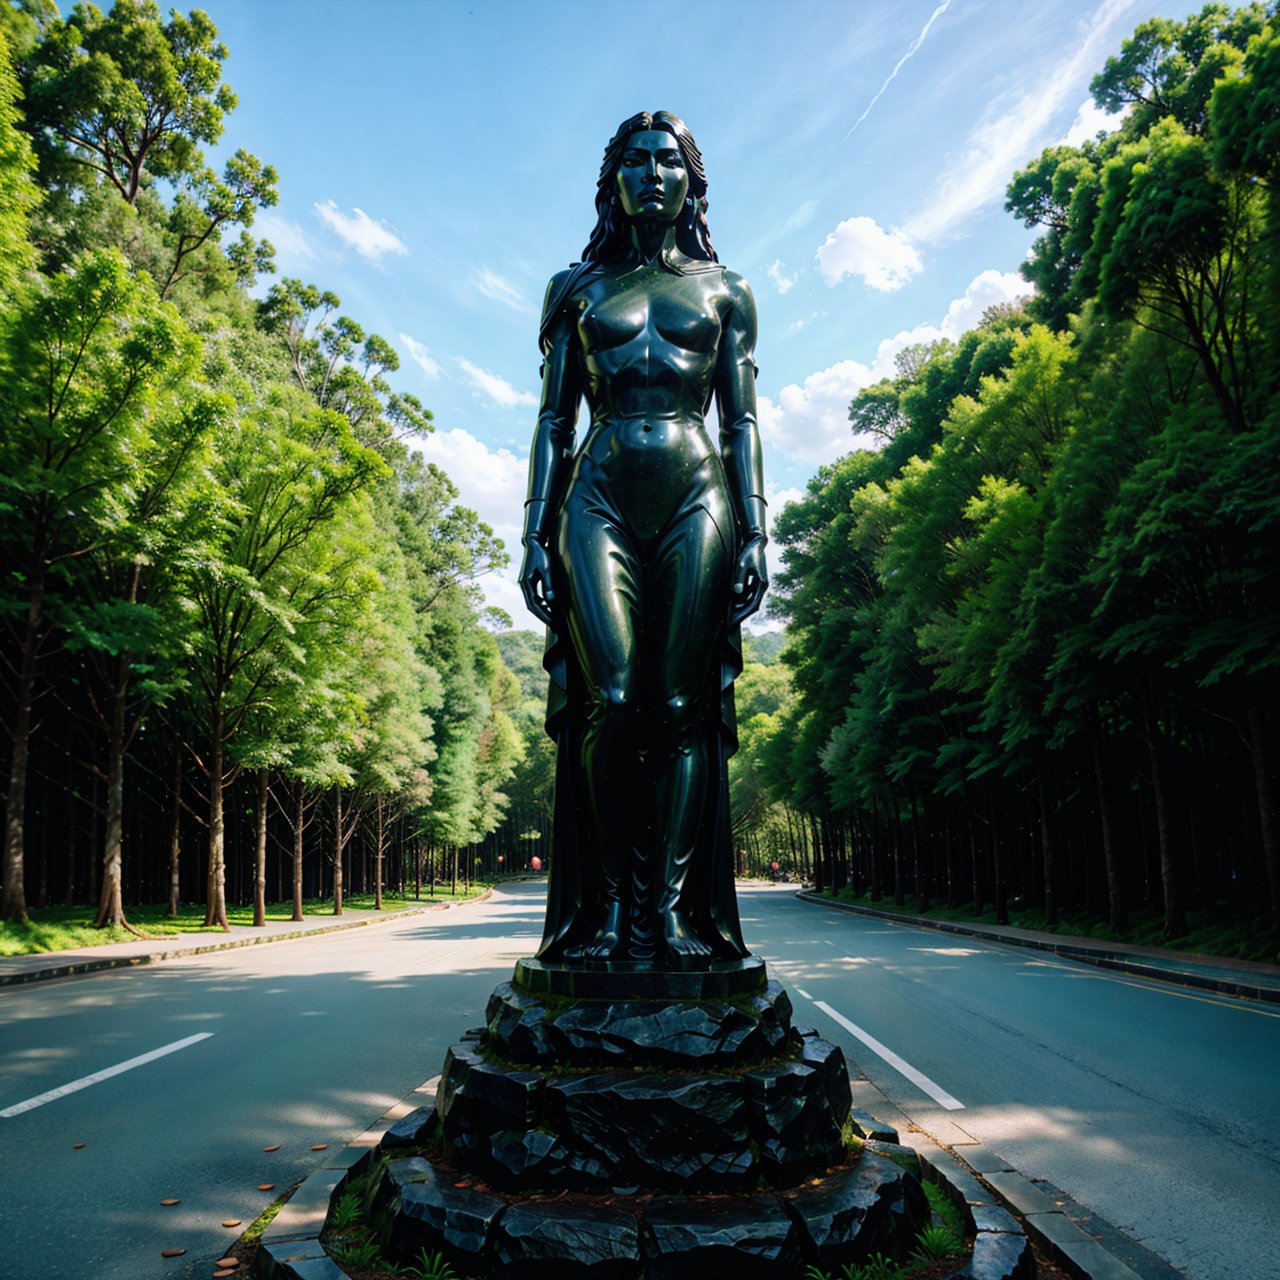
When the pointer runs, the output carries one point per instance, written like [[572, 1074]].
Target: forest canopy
[[241, 628], [1033, 641]]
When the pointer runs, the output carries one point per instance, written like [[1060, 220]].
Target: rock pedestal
[[620, 1093]]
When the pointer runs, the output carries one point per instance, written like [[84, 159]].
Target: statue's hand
[[535, 581], [750, 580]]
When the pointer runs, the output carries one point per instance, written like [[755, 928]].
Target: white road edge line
[[803, 992], [918, 1078], [85, 1081]]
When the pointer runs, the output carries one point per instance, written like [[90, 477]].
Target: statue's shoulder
[[560, 289], [737, 287], [564, 283], [742, 302]]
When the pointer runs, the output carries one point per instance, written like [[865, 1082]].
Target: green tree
[[125, 94], [84, 355], [18, 192], [287, 474]]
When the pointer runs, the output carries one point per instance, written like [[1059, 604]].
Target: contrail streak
[[915, 44]]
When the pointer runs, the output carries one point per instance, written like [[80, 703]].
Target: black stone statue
[[644, 551]]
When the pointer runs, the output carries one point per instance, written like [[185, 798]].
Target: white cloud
[[779, 278], [987, 289], [500, 289], [492, 483], [886, 260], [290, 240], [419, 354], [498, 389], [368, 238], [1013, 131], [911, 50], [1091, 120], [811, 422], [776, 499], [801, 215]]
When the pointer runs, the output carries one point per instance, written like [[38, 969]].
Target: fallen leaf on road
[[172, 1253], [266, 1186], [77, 1146], [228, 1261], [275, 1148], [320, 1146], [232, 1222], [167, 1202], [217, 1275]]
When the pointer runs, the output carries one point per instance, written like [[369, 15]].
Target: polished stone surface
[[719, 980], [564, 1242], [528, 1029], [873, 1207], [744, 1238]]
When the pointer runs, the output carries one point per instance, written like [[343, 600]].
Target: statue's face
[[652, 179]]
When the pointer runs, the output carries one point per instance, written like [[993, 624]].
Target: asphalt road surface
[[1156, 1108]]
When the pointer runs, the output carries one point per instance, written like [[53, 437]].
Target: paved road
[[1155, 1107], [311, 1041]]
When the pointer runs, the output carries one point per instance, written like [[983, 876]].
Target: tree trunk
[[300, 818], [111, 903], [260, 855], [922, 890], [1266, 811], [899, 893], [175, 833], [337, 855], [1175, 922], [377, 860], [1117, 917], [975, 866], [1046, 849], [13, 900], [215, 912]]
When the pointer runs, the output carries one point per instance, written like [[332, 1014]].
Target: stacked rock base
[[644, 1124]]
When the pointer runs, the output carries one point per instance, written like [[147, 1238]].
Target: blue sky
[[438, 162]]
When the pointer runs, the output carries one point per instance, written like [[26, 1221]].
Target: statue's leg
[[601, 576], [687, 586]]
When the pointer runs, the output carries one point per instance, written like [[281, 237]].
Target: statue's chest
[[649, 311]]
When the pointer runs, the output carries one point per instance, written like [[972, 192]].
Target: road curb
[[1099, 957], [129, 962]]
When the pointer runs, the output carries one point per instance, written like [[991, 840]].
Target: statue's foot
[[608, 944], [679, 939]]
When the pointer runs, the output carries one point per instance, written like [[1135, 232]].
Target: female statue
[[644, 550]]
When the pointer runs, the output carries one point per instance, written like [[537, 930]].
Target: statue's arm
[[740, 444], [551, 454]]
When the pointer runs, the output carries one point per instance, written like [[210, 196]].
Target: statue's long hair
[[609, 240]]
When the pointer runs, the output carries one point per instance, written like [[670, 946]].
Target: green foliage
[[344, 1213], [18, 193], [936, 1242], [358, 1254], [432, 1266], [945, 1210], [877, 1267], [126, 94], [1059, 569], [207, 505]]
